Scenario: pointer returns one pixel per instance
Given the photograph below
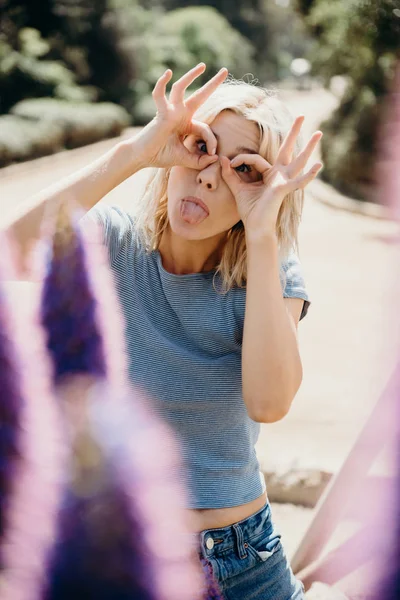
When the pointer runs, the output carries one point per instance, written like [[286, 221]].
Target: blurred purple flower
[[11, 404], [32, 453], [101, 553], [111, 528], [213, 591], [68, 310]]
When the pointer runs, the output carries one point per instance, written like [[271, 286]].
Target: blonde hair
[[263, 107]]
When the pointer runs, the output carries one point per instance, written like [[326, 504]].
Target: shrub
[[22, 139], [358, 40], [349, 144], [24, 73], [82, 123], [208, 37]]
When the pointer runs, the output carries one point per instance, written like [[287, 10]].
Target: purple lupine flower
[[110, 545], [68, 310], [100, 552], [32, 453], [11, 404], [213, 592]]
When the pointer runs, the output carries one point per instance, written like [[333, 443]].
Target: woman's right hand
[[160, 143]]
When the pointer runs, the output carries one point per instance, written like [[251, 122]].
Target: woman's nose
[[209, 176]]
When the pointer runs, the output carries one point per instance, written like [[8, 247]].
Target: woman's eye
[[246, 169], [202, 146]]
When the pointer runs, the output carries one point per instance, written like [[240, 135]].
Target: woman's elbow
[[268, 414]]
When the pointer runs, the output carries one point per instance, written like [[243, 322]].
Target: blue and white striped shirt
[[184, 344]]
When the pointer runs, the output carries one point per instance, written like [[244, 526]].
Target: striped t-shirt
[[184, 343]]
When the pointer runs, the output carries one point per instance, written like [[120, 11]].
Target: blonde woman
[[212, 293]]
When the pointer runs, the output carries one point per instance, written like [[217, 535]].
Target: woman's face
[[200, 204]]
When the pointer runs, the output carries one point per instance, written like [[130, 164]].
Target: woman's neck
[[181, 256]]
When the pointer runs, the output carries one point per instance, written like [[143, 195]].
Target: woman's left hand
[[259, 202]]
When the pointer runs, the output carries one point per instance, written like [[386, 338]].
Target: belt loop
[[241, 548]]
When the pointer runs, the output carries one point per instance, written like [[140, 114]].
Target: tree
[[360, 40], [250, 19], [69, 49]]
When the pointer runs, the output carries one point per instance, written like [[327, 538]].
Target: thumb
[[230, 177]]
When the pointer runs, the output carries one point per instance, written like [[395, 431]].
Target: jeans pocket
[[263, 548]]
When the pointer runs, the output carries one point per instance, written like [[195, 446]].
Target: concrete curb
[[302, 487], [325, 193]]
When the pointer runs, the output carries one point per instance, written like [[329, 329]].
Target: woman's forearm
[[271, 365], [84, 187]]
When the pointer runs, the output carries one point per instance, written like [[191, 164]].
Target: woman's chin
[[188, 231]]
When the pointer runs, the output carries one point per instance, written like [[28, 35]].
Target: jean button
[[210, 543]]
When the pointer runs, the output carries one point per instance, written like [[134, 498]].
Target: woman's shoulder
[[110, 216], [117, 226]]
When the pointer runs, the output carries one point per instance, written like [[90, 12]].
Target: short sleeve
[[117, 227], [293, 281]]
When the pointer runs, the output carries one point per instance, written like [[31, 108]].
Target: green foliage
[[42, 126], [23, 73], [178, 40], [349, 145], [358, 39], [82, 123], [22, 139], [288, 38], [249, 18], [145, 110], [67, 49], [205, 35]]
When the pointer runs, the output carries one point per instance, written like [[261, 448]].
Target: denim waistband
[[212, 542]]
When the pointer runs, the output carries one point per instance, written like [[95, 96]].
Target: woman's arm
[[271, 364], [159, 144], [84, 187]]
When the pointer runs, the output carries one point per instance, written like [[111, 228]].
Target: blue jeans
[[248, 560]]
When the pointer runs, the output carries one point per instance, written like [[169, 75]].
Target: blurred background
[[81, 70], [76, 75]]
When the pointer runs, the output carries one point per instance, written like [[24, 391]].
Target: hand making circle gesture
[[162, 139], [259, 202]]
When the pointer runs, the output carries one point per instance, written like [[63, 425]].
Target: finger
[[255, 160], [160, 89], [205, 132], [196, 161], [286, 149], [200, 96], [230, 176], [300, 182], [177, 94], [300, 162]]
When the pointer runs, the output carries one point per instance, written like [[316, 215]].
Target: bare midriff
[[214, 518]]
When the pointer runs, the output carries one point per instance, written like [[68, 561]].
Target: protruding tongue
[[192, 213]]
